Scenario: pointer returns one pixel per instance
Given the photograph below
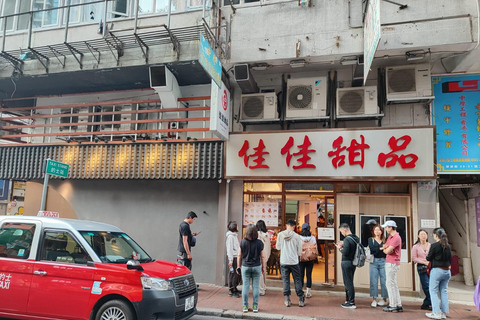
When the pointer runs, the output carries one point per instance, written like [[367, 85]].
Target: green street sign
[[57, 168]]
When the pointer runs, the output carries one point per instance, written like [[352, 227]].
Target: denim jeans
[[439, 282], [424, 279], [348, 271], [294, 269], [308, 266], [377, 270], [391, 271], [253, 273]]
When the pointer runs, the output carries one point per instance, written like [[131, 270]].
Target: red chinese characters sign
[[369, 152]]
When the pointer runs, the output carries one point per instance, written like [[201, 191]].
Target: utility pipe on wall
[[467, 262]]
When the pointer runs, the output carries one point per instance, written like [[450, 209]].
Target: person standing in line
[[265, 238], [419, 256], [232, 245], [290, 246], [348, 248], [307, 237], [186, 240], [393, 249], [440, 256], [250, 258], [377, 267]]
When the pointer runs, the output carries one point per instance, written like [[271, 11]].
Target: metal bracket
[[92, 49], [402, 6], [16, 63], [117, 45], [74, 53], [39, 57], [175, 42], [142, 46], [57, 54]]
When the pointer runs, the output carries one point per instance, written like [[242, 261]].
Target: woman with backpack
[[377, 267], [265, 238], [308, 240]]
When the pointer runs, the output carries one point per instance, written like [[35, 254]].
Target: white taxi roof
[[79, 225]]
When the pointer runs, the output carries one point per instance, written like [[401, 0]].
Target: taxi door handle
[[40, 273]]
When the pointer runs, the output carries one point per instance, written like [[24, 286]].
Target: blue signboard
[[210, 62], [4, 189], [456, 114]]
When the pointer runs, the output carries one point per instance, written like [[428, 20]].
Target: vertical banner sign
[[219, 111], [456, 114], [371, 35], [477, 210], [209, 61]]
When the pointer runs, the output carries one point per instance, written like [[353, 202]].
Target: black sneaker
[[399, 309], [349, 305], [391, 309], [301, 301]]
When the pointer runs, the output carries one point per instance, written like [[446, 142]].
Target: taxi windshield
[[115, 247]]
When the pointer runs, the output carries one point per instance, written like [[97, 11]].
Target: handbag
[[369, 256], [422, 268], [429, 268]]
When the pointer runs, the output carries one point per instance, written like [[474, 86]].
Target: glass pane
[[16, 240], [195, 3], [391, 188], [162, 6], [74, 12], [261, 187], [297, 186], [23, 20], [353, 187], [8, 8], [60, 246]]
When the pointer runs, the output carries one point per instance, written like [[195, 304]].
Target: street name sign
[[57, 168]]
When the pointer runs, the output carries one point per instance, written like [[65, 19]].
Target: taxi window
[[61, 246], [16, 240]]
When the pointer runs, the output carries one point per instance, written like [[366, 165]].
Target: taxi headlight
[[150, 283]]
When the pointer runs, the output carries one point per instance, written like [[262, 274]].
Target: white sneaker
[[374, 303], [433, 315], [444, 316], [308, 294], [381, 303]]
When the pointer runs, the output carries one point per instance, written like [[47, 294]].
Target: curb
[[233, 314]]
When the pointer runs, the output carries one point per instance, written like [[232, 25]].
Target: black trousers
[[348, 271], [308, 266], [286, 269], [183, 260], [233, 277]]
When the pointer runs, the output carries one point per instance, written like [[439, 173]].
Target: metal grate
[[184, 286], [185, 160]]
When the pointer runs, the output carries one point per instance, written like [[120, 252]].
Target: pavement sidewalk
[[324, 305]]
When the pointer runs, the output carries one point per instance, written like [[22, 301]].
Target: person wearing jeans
[[419, 256], [440, 256], [377, 267], [392, 248], [290, 245], [250, 257]]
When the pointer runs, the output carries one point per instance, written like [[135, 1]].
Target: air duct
[[166, 85], [244, 79]]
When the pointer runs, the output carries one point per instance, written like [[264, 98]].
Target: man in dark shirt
[[348, 248], [186, 240]]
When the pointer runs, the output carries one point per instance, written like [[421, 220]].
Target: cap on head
[[389, 223], [305, 226], [372, 221]]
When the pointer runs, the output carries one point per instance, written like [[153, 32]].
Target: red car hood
[[164, 269]]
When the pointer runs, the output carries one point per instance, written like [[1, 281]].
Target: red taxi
[[73, 269]]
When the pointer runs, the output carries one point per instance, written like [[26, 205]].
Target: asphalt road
[[205, 318]]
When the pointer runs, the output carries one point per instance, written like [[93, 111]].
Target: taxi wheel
[[115, 310]]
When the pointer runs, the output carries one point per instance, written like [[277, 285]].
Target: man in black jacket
[[348, 248]]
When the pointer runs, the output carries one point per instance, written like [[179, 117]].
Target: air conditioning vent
[[412, 81], [66, 120], [306, 97], [259, 106], [357, 101]]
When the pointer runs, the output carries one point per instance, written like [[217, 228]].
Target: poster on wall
[[350, 220], [456, 115], [367, 223], [3, 189], [266, 211], [402, 230]]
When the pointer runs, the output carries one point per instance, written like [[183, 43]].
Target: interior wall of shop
[[150, 211], [452, 219]]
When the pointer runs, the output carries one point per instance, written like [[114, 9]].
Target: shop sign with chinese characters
[[369, 152], [456, 114]]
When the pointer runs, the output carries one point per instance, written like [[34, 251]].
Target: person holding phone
[[186, 240]]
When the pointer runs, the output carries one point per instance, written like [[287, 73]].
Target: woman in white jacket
[[265, 238], [232, 252]]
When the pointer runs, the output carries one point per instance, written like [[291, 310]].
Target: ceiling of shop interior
[[85, 81]]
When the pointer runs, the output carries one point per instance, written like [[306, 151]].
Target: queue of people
[[248, 259]]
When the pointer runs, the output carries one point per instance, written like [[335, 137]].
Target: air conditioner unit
[[259, 106], [357, 101], [306, 97], [411, 81], [165, 84], [84, 119]]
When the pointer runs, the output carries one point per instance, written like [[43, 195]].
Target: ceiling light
[[260, 67], [297, 63], [348, 61]]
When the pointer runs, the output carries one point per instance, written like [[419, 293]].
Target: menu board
[[266, 211]]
